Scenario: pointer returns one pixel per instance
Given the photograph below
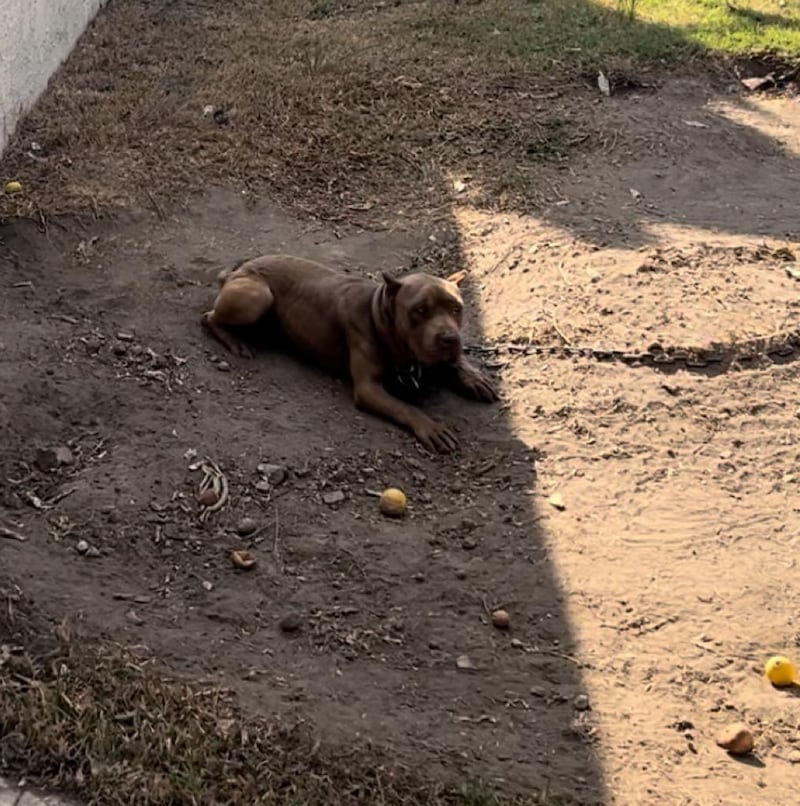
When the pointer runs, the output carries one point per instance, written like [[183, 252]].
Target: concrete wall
[[35, 37]]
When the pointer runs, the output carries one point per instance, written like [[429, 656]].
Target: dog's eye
[[420, 310], [458, 309]]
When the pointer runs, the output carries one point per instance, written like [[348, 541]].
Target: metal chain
[[782, 346]]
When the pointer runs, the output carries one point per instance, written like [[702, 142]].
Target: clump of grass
[[627, 8], [107, 726]]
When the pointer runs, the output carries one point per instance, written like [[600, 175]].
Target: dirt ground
[[641, 613]]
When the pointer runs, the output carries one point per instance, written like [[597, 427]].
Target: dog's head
[[426, 314]]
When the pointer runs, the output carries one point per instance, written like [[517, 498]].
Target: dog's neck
[[383, 322]]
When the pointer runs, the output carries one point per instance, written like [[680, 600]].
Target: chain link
[[782, 346]]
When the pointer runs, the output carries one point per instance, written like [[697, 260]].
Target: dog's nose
[[448, 338]]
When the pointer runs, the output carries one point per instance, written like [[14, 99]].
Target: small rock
[[125, 336], [736, 739], [208, 585], [538, 691], [114, 516], [434, 645], [93, 551], [274, 474], [464, 663], [263, 486], [468, 544], [581, 703], [418, 577], [557, 500], [51, 458], [224, 366], [461, 573], [517, 644], [118, 348], [333, 497], [246, 526], [134, 617], [291, 623], [82, 547], [92, 345], [501, 619], [64, 455]]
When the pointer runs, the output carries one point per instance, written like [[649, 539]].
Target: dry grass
[[102, 723], [343, 109], [345, 115]]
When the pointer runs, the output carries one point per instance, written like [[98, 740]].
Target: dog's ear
[[458, 277], [392, 284]]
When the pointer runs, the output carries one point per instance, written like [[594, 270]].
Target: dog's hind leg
[[241, 301]]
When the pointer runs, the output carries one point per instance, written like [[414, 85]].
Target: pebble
[[461, 574], [468, 544], [134, 617], [418, 577], [736, 739], [274, 474], [92, 345], [464, 662], [118, 348], [246, 526], [51, 458], [93, 551], [333, 497], [224, 366], [581, 703], [82, 547], [501, 619], [291, 623], [263, 486]]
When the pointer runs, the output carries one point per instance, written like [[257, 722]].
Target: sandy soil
[[641, 614]]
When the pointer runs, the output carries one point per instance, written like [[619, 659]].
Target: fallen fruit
[[243, 559], [501, 619], [736, 739], [207, 498], [780, 671], [393, 503], [12, 186]]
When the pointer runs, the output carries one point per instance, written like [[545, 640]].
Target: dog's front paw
[[435, 436], [475, 384]]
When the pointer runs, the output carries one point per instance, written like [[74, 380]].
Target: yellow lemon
[[12, 186], [393, 503], [780, 671]]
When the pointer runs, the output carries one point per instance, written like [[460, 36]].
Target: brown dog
[[353, 327]]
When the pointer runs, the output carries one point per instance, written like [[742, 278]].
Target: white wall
[[35, 37]]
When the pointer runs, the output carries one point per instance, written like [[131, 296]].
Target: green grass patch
[[551, 33]]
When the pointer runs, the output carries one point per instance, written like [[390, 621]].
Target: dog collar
[[409, 375]]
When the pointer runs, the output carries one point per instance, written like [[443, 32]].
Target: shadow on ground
[[103, 354]]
